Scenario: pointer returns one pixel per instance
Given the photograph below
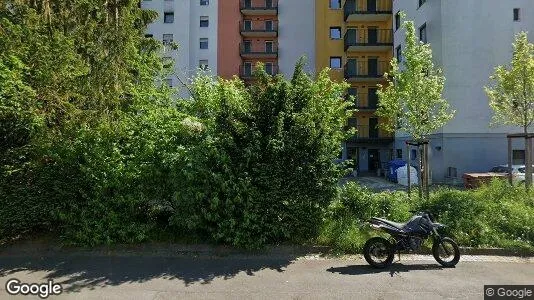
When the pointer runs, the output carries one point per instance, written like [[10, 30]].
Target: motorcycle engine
[[415, 243]]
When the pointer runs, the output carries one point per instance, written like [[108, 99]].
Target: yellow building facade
[[355, 39]]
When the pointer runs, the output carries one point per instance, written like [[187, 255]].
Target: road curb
[[40, 248]]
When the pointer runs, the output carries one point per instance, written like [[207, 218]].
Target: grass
[[493, 216]]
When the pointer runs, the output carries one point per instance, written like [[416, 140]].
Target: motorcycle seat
[[394, 224]]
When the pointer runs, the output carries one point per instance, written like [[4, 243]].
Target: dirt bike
[[379, 252]]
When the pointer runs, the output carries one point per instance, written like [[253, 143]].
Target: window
[[247, 69], [168, 82], [204, 21], [167, 38], [397, 21], [269, 25], [421, 2], [422, 33], [335, 33], [203, 64], [516, 14], [335, 62], [269, 68], [452, 172], [247, 46], [168, 17], [335, 4], [204, 2], [203, 43], [247, 24], [269, 47], [399, 53]]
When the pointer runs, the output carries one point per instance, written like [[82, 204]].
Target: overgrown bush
[[345, 223], [96, 149], [495, 215], [265, 173]]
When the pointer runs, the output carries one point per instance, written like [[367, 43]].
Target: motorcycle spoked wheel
[[446, 252], [378, 252]]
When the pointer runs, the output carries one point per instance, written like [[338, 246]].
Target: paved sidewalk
[[86, 275]]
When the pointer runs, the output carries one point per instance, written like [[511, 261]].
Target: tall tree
[[412, 99], [511, 94]]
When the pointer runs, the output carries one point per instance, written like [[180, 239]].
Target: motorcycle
[[379, 252]]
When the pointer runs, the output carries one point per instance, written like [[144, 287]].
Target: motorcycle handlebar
[[431, 215]]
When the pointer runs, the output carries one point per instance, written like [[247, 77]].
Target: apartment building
[[355, 39], [193, 26], [468, 39], [275, 33]]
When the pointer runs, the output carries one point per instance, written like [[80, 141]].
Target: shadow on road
[[393, 270], [80, 272]]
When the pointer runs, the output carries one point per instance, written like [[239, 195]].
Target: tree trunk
[[419, 175], [427, 171], [408, 165], [528, 160]]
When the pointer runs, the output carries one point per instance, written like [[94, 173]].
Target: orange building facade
[[248, 34]]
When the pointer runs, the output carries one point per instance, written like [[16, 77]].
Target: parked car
[[518, 172]]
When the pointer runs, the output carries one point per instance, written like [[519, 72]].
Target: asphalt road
[[134, 276]]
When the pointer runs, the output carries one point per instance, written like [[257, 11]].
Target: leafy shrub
[[495, 215], [265, 173], [345, 227]]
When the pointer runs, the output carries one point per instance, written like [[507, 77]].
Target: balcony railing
[[365, 7], [363, 101], [247, 72], [258, 29], [366, 69], [261, 51], [364, 132], [258, 7], [368, 38]]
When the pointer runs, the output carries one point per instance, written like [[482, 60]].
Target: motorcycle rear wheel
[[378, 252], [440, 249]]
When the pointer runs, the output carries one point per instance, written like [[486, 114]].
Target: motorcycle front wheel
[[446, 252], [378, 252]]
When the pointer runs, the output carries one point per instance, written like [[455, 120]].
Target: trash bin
[[402, 176], [392, 168]]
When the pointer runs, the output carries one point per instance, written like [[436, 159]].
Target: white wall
[[468, 39], [296, 34], [187, 33], [197, 32], [477, 38]]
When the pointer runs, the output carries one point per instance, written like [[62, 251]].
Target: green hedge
[[495, 215]]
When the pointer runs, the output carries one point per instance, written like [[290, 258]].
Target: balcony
[[367, 134], [250, 50], [370, 40], [246, 72], [259, 7], [368, 10], [258, 29], [370, 70], [363, 102]]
